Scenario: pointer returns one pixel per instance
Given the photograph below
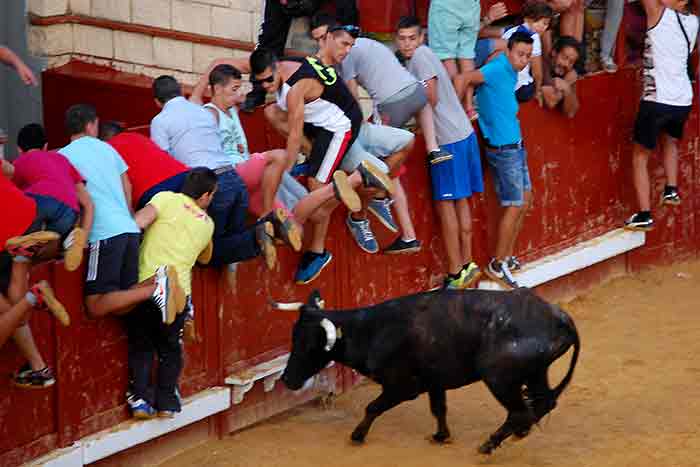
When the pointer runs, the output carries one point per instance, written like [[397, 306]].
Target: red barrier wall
[[580, 170]]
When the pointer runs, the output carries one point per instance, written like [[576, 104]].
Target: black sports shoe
[[402, 247], [671, 196], [28, 378], [639, 222], [254, 99]]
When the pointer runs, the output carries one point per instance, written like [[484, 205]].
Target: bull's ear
[[315, 299]]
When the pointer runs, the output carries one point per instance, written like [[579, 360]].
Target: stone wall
[[147, 52]]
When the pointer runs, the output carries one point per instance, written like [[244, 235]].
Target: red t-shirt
[[148, 164], [48, 173], [19, 211]]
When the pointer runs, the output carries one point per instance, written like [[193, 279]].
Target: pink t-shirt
[[48, 173]]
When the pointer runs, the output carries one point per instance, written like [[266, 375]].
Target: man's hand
[[496, 12], [562, 85], [26, 75]]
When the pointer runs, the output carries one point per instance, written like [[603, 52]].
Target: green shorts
[[453, 29]]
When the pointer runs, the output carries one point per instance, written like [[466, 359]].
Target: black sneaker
[[513, 263], [639, 222], [671, 197], [254, 99], [402, 247], [499, 272], [28, 378]]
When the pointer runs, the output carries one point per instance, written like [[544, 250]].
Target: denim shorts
[[52, 215], [374, 143], [484, 49], [511, 178]]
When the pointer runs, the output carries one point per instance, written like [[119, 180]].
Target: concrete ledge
[[131, 433], [71, 456], [243, 380], [572, 259]]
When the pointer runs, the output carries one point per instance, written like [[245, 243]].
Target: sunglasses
[[269, 79], [351, 29]]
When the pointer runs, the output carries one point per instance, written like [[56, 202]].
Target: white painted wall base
[[131, 433], [574, 258]]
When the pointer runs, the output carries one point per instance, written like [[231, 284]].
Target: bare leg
[[671, 160], [119, 302], [403, 216], [321, 223], [640, 159], [19, 285], [572, 20], [506, 231], [19, 281], [11, 317], [521, 218], [272, 176], [449, 226], [464, 218], [427, 124]]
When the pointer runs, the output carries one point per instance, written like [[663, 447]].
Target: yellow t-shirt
[[177, 236]]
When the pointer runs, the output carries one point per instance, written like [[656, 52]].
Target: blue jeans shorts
[[511, 177], [484, 49], [52, 215]]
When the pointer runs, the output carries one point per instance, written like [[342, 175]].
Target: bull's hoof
[[441, 438], [519, 435], [487, 448], [357, 438]]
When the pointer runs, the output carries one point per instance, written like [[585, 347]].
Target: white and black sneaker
[[499, 272], [640, 221], [163, 295], [671, 196]]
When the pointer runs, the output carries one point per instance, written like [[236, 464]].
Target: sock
[[31, 298]]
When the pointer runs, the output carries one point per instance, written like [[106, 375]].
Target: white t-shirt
[[524, 76], [666, 59]]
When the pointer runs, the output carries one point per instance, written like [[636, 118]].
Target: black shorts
[[525, 93], [654, 118], [113, 264], [327, 150]]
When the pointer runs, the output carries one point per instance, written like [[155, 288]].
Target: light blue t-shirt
[[101, 167], [498, 108]]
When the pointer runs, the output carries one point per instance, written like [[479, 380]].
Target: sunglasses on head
[[351, 29], [269, 79]]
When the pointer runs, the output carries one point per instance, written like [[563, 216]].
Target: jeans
[[147, 334], [511, 177], [173, 184], [613, 17], [232, 241], [52, 215]]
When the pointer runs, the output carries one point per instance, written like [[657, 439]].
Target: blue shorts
[[460, 176], [52, 215], [511, 177]]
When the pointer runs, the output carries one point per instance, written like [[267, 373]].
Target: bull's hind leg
[[386, 400], [438, 406], [519, 419], [539, 395]]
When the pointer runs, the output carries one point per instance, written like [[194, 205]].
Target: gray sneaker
[[362, 234], [499, 272], [382, 209]]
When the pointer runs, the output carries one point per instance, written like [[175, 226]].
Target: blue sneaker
[[362, 234], [382, 209], [311, 266], [140, 408]]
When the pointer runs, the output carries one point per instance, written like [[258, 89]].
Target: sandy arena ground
[[634, 400]]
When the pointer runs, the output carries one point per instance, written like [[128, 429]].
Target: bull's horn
[[294, 306], [331, 334]]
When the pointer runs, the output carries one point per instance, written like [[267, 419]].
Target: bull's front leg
[[386, 400], [438, 406]]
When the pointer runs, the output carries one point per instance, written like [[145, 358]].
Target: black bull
[[434, 341]]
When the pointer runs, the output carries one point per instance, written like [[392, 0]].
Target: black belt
[[505, 147], [224, 169]]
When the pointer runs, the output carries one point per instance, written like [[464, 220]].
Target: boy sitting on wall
[[177, 232]]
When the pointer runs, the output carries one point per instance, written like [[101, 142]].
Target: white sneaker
[[161, 296], [608, 64]]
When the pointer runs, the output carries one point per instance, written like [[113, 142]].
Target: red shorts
[[251, 172]]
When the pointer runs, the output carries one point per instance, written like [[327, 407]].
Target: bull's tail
[[556, 391]]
